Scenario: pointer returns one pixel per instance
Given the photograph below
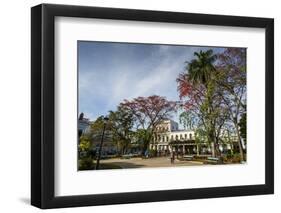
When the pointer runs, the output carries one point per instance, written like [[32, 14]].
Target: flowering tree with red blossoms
[[212, 93], [148, 112]]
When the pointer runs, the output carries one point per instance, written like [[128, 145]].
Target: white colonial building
[[168, 137]]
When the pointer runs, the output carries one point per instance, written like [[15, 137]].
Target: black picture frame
[[43, 105]]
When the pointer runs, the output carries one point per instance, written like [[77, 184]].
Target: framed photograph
[[140, 106]]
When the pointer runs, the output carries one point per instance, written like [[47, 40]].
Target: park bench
[[188, 157], [213, 160]]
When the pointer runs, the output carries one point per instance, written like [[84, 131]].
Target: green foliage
[[152, 153], [229, 154], [143, 138], [202, 74], [85, 144], [236, 158], [200, 135], [201, 69], [121, 123], [97, 125], [188, 119], [86, 163]]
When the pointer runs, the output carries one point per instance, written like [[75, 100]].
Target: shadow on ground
[[25, 200], [121, 165]]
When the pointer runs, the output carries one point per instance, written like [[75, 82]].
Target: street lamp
[[105, 119]]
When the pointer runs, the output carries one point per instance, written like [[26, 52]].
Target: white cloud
[[102, 90]]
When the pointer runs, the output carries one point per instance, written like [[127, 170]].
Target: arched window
[[185, 136], [190, 136], [177, 137], [180, 136]]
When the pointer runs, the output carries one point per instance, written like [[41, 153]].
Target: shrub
[[236, 158], [86, 163], [152, 153], [229, 154]]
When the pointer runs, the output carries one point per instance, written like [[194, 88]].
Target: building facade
[[168, 137], [83, 126]]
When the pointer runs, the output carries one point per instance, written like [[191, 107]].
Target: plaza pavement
[[150, 162]]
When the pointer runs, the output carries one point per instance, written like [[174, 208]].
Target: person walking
[[172, 157]]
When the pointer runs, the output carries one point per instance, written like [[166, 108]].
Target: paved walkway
[[151, 162]]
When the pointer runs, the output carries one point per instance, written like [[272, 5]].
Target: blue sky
[[111, 72]]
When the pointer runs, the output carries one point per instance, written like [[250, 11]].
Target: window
[[190, 136], [185, 136]]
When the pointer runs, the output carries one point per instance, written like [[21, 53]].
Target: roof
[[182, 131], [166, 120]]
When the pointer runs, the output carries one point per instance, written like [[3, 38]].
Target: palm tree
[[201, 70]]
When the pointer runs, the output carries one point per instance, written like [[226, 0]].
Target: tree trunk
[[213, 149], [213, 143], [239, 142]]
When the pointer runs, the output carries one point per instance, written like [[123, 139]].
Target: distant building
[[83, 126]]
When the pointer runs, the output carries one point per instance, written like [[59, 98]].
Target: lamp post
[[101, 143]]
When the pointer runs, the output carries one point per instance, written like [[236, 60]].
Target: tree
[[243, 127], [97, 125], [231, 81], [121, 122], [213, 91], [96, 133], [143, 138], [198, 90], [202, 68], [189, 120], [148, 112], [84, 145], [85, 160]]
